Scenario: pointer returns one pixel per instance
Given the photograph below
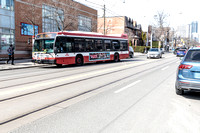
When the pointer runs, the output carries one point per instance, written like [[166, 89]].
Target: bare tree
[[65, 14], [161, 29], [30, 14], [108, 28]]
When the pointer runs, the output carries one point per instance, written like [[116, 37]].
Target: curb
[[22, 67]]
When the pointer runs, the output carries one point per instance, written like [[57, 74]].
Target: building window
[[6, 38], [7, 4], [27, 29], [51, 18], [84, 23]]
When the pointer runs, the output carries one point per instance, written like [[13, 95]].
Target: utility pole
[[147, 35], [151, 36], [104, 16]]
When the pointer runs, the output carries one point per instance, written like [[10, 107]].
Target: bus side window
[[69, 44], [123, 45], [99, 45], [79, 44], [89, 45], [107, 45], [115, 45], [57, 44]]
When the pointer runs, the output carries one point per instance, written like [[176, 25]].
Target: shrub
[[141, 49], [155, 44]]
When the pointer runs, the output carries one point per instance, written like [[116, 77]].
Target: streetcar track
[[53, 87], [77, 95], [46, 73], [59, 76]]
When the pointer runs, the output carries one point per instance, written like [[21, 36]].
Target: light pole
[[151, 36], [104, 18]]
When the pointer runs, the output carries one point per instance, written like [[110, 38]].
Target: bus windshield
[[43, 45]]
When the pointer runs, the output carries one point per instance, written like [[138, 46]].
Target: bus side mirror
[[55, 50]]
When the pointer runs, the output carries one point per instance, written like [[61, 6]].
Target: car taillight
[[182, 66]]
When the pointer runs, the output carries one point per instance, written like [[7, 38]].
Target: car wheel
[[179, 91]]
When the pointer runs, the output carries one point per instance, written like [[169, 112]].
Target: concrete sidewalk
[[18, 64]]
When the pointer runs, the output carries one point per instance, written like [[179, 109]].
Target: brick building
[[121, 25], [22, 19]]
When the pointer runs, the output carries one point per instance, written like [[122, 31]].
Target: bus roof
[[91, 34], [79, 33]]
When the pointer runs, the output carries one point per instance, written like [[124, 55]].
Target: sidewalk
[[19, 64]]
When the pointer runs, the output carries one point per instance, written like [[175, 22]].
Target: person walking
[[10, 54]]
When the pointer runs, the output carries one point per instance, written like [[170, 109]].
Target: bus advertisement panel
[[99, 56]]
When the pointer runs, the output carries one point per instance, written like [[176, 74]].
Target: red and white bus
[[74, 47]]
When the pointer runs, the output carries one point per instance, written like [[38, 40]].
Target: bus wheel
[[116, 57], [79, 60]]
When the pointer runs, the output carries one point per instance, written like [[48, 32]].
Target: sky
[[179, 12]]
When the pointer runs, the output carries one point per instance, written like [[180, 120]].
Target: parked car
[[131, 52], [181, 52], [154, 53], [188, 73]]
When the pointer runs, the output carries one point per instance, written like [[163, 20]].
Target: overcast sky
[[179, 11]]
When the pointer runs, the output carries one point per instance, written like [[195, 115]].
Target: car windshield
[[153, 49], [43, 45], [193, 56]]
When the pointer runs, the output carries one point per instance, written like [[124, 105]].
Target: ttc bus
[[74, 47]]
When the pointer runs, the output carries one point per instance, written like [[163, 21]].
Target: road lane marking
[[169, 56], [134, 83], [165, 68]]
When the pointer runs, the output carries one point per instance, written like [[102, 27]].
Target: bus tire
[[116, 57], [79, 60]]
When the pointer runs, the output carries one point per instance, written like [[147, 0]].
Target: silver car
[[154, 53]]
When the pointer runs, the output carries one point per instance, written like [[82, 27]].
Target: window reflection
[[50, 17], [6, 38], [7, 4]]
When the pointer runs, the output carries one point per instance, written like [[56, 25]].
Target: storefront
[[7, 25]]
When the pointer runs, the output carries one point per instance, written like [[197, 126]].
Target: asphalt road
[[134, 95]]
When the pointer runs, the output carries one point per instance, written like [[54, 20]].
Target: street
[[133, 95]]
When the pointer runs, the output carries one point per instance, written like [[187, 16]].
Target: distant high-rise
[[194, 27], [194, 31]]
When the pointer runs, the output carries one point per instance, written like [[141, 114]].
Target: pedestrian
[[10, 54]]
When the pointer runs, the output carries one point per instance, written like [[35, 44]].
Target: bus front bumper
[[44, 61]]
